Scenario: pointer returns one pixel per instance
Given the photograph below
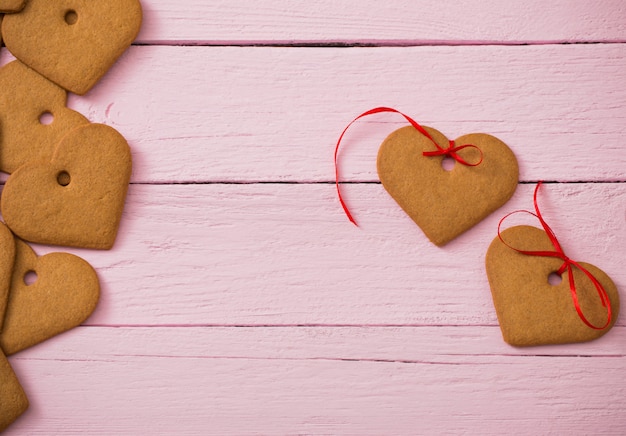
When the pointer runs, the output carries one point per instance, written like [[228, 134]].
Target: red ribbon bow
[[568, 264], [451, 151]]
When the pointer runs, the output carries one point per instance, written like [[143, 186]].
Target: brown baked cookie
[[49, 295], [75, 199], [33, 116], [11, 6], [530, 310], [445, 203], [13, 401], [7, 259], [72, 42]]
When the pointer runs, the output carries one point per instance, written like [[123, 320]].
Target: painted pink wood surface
[[274, 114], [238, 299], [285, 254], [358, 380], [376, 22]]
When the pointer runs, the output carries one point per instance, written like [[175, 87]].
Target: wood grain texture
[[374, 22], [317, 381], [275, 114], [238, 299], [285, 254]]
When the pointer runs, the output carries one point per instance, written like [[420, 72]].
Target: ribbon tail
[[345, 207]]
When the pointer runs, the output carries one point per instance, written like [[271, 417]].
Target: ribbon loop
[[568, 264], [451, 151]]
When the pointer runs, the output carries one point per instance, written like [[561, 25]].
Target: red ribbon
[[568, 264], [450, 151]]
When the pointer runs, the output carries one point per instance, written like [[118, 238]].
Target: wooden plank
[[390, 22], [278, 115], [285, 254], [320, 381], [275, 114], [425, 344]]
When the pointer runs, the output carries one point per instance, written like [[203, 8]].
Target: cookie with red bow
[[446, 187], [540, 295]]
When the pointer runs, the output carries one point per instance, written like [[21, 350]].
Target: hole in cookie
[[71, 17], [63, 178], [447, 163], [46, 118], [30, 277], [554, 279]]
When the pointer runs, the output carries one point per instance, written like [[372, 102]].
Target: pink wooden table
[[238, 298]]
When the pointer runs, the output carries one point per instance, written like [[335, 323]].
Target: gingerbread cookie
[[33, 115], [11, 6], [75, 199], [445, 203], [72, 42], [531, 310], [13, 401], [7, 259], [49, 295]]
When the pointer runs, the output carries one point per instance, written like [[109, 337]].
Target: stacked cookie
[[68, 178]]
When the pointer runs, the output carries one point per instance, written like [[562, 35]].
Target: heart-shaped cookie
[[445, 203], [7, 259], [33, 116], [72, 42], [75, 199], [49, 295], [13, 401], [531, 310], [11, 6]]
